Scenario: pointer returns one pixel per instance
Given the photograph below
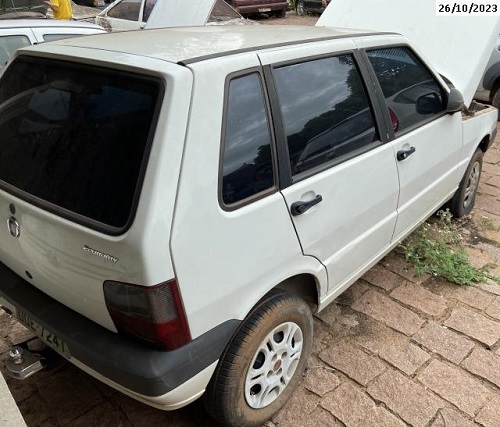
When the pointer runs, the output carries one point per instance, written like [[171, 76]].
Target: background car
[[17, 33], [137, 14], [251, 7], [304, 7]]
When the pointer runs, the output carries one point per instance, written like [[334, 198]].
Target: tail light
[[154, 314], [394, 120]]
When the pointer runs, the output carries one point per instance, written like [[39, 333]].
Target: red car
[[250, 7]]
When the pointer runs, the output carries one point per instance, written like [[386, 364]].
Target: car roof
[[44, 23], [191, 44]]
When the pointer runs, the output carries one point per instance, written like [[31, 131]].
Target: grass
[[437, 248]]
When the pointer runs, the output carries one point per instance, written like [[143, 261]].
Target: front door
[[427, 141]]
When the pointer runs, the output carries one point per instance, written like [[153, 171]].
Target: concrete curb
[[9, 412]]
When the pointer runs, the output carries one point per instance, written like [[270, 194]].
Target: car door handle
[[404, 154], [298, 208]]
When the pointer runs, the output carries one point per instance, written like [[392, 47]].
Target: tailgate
[[75, 145]]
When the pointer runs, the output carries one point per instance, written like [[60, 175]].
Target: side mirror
[[429, 103], [455, 101]]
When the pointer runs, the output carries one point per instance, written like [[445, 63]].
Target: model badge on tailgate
[[100, 254], [14, 227]]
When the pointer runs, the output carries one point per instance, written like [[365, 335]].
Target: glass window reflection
[[411, 93], [247, 164], [325, 111]]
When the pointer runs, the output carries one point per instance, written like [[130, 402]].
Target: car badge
[[14, 227], [100, 254]]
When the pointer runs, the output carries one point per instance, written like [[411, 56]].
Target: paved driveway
[[394, 350]]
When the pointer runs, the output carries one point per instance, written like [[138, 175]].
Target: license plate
[[264, 9], [51, 339]]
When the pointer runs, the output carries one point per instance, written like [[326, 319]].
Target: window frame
[[142, 14], [382, 99], [287, 178], [66, 213], [265, 96]]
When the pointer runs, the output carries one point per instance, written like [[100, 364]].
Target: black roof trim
[[274, 45]]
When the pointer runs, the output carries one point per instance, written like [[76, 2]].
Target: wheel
[[300, 8], [465, 197], [495, 101], [263, 363]]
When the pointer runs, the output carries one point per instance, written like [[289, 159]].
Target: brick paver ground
[[393, 350]]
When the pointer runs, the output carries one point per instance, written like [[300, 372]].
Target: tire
[[301, 11], [495, 101], [263, 363], [465, 197]]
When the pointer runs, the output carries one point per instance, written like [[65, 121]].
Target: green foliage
[[437, 248]]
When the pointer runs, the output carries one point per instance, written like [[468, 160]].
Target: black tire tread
[[227, 372], [456, 208]]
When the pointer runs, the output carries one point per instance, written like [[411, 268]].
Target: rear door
[[342, 188]]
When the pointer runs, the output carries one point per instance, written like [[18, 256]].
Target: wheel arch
[[493, 87], [485, 143], [491, 79], [304, 286]]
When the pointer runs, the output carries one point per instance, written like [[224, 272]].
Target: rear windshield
[[74, 139]]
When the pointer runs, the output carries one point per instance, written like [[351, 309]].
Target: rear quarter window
[[75, 138], [247, 161]]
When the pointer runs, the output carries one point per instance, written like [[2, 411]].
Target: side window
[[8, 45], [325, 111], [412, 95], [53, 37], [247, 165], [127, 9]]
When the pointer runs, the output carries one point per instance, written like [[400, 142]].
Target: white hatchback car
[[17, 33], [123, 15], [176, 203]]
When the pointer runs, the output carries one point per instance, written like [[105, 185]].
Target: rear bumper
[[120, 361]]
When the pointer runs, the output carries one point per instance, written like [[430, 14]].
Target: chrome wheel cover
[[273, 365], [472, 184]]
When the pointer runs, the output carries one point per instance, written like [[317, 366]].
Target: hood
[[457, 46], [179, 13]]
